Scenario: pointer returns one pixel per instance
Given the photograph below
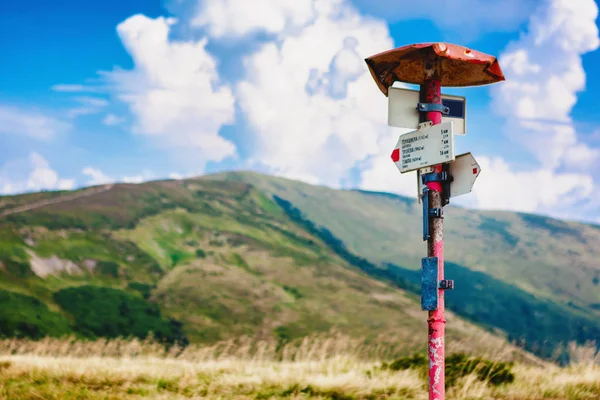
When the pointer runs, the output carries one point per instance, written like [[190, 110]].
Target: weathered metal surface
[[436, 321], [431, 93], [451, 64], [429, 283]]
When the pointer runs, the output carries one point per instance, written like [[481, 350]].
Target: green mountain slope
[[535, 278], [198, 260]]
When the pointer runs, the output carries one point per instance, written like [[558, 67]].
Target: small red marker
[[396, 155], [474, 171]]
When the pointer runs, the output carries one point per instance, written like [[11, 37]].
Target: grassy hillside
[[197, 261], [543, 271]]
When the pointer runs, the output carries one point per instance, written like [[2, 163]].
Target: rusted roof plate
[[457, 65]]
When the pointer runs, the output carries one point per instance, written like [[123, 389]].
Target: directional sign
[[422, 148], [464, 170], [402, 109]]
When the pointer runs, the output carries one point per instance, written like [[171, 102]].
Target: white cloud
[[241, 17], [17, 121], [33, 174], [92, 101], [113, 120], [544, 73], [133, 179], [62, 87], [91, 105], [310, 101], [174, 90], [175, 175], [380, 174], [540, 190], [97, 176]]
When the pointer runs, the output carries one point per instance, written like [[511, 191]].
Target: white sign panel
[[424, 147], [402, 109], [465, 170]]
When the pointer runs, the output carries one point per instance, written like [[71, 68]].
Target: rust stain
[[458, 65]]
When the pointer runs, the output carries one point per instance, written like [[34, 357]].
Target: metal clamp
[[447, 284], [436, 213], [432, 107], [444, 178], [435, 177]]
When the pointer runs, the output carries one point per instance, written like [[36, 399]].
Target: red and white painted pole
[[431, 93], [430, 65]]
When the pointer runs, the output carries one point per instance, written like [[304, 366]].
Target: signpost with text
[[429, 150]]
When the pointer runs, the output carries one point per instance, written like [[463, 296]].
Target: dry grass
[[317, 368]]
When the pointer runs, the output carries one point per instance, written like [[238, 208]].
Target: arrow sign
[[424, 147], [465, 170]]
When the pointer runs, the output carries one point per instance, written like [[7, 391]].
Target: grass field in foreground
[[319, 369]]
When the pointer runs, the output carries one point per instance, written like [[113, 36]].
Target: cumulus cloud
[[538, 190], [310, 102], [17, 121], [33, 174], [97, 177], [544, 74], [237, 18], [174, 90]]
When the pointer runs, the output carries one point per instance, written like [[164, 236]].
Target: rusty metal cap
[[454, 65]]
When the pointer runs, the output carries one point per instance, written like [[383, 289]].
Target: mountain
[[534, 277], [233, 254], [197, 260]]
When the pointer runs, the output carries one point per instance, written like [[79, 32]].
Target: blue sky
[[132, 90]]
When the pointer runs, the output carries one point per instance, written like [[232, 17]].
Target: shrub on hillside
[[107, 312], [108, 268], [144, 289], [27, 317], [200, 253]]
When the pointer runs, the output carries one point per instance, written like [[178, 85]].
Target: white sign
[[464, 170], [402, 109], [422, 148]]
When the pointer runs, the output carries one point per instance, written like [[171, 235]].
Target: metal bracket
[[432, 107], [447, 284], [435, 177], [436, 213], [423, 125], [429, 283], [444, 177]]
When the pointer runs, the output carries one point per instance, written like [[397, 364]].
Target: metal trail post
[[430, 65], [430, 92]]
